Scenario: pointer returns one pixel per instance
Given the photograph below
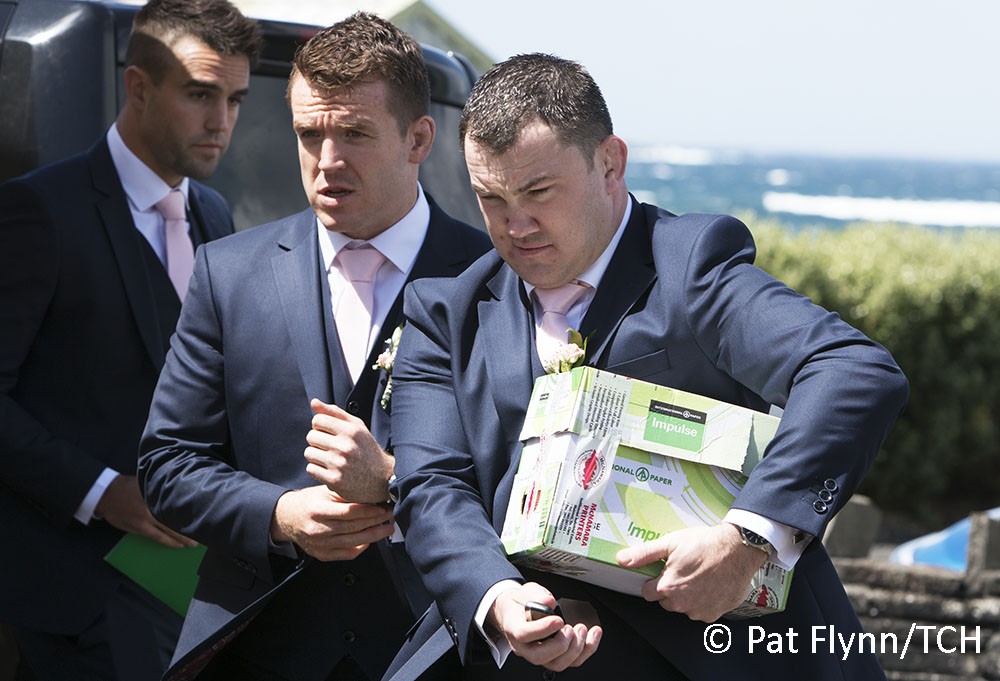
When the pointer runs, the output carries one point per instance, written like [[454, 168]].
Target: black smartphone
[[572, 612], [533, 610]]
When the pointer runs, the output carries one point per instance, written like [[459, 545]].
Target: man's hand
[[707, 572], [122, 506], [325, 526], [343, 455], [549, 641]]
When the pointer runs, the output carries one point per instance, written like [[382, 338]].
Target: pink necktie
[[180, 251], [354, 309], [553, 331]]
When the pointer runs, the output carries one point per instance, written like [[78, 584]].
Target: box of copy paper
[[610, 462]]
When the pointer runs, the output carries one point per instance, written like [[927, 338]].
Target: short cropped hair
[[364, 48], [536, 87], [217, 23]]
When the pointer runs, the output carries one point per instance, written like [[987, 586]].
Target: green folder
[[169, 574]]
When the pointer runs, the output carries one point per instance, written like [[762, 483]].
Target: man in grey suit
[[92, 274], [672, 300], [288, 319]]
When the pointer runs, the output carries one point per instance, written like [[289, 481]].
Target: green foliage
[[933, 299]]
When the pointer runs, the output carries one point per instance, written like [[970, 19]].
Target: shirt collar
[[593, 274], [400, 243], [142, 186]]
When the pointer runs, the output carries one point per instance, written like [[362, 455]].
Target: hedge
[[933, 299]]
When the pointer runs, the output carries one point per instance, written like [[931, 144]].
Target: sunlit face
[[187, 119], [550, 215], [358, 170]]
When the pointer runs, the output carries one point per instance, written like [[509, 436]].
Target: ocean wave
[[674, 155], [944, 213]]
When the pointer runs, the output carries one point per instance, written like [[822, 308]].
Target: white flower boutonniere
[[385, 362], [568, 355]]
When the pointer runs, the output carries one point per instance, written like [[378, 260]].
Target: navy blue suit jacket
[[225, 438], [680, 304], [86, 313]]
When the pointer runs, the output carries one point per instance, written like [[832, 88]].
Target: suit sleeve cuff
[[85, 512], [499, 648], [788, 542]]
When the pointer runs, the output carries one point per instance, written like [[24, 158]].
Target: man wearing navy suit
[[299, 583], [91, 282], [667, 299]]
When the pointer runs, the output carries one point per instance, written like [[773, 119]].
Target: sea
[[818, 191]]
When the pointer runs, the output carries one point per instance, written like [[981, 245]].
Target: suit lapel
[[117, 221], [507, 328], [297, 278], [629, 275], [441, 255], [204, 226]]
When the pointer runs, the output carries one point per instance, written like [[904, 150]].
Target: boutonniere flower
[[568, 355], [385, 362]]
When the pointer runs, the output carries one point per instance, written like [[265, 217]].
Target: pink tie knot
[[360, 264], [171, 206], [560, 299]]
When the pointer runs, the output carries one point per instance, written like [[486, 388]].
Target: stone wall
[[935, 608]]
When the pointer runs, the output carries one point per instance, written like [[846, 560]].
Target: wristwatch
[[393, 498], [751, 538]]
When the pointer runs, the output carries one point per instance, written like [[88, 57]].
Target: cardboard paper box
[[610, 462]]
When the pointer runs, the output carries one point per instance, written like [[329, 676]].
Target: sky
[[878, 78]]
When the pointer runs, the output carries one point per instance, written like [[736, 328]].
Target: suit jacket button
[[825, 495], [830, 484], [349, 636], [350, 579], [820, 506], [548, 675], [353, 407]]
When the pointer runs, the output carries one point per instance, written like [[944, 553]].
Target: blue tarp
[[947, 548]]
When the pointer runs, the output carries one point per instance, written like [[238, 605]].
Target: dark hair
[[217, 23], [361, 49], [533, 87]]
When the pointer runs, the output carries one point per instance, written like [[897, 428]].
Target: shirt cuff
[[499, 649], [788, 542], [85, 511]]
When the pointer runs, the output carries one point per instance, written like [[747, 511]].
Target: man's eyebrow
[[532, 182], [206, 85], [202, 84]]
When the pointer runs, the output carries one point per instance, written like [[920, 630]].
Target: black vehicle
[[61, 65]]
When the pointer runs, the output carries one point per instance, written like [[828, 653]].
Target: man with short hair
[[288, 319], [95, 256], [672, 300]]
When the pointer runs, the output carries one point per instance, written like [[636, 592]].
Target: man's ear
[[421, 135], [611, 157], [138, 85]]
